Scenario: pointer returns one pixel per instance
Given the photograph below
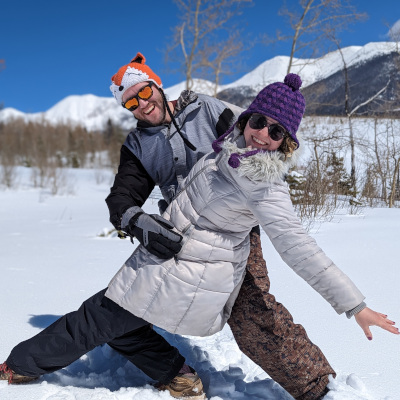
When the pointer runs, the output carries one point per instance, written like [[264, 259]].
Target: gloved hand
[[153, 232]]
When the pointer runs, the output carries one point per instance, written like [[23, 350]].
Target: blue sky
[[53, 49]]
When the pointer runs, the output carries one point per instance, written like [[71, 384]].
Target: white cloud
[[394, 31]]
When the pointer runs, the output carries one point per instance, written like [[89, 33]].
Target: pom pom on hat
[[293, 81], [131, 74]]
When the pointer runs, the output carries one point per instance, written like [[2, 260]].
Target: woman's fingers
[[368, 317], [368, 333], [388, 325]]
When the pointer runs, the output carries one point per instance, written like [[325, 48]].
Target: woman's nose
[[265, 131]]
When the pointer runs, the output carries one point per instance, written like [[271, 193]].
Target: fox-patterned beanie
[[131, 74]]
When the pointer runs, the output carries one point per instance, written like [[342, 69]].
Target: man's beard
[[162, 119], [162, 107]]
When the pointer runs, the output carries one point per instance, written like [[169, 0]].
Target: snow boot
[[185, 386], [7, 374]]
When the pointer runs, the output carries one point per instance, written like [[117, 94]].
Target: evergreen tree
[[370, 190], [296, 186], [339, 181]]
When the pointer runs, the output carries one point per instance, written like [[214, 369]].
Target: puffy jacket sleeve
[[132, 186], [274, 210]]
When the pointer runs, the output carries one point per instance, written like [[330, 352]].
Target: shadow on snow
[[104, 367]]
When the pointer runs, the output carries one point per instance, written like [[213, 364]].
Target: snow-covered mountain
[[93, 112], [88, 110], [311, 70], [372, 90], [321, 76]]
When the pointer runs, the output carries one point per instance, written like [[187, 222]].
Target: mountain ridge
[[94, 112]]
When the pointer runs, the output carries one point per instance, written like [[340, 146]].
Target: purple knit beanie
[[281, 101]]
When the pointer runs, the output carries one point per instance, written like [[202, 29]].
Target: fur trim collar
[[263, 166], [185, 98]]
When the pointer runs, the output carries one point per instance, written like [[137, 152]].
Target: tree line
[[319, 184], [48, 149]]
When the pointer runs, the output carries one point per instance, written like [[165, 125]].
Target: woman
[[224, 196]]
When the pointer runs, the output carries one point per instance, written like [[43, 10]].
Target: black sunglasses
[[144, 93], [275, 131]]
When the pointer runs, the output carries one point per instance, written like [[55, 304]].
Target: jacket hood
[[266, 166]]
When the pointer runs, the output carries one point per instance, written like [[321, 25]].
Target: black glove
[[154, 233]]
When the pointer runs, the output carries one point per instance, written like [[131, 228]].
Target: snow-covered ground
[[52, 258]]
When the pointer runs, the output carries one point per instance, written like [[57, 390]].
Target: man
[[170, 137]]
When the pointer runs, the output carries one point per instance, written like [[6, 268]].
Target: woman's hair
[[287, 147]]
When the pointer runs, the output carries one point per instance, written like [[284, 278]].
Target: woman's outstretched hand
[[367, 317]]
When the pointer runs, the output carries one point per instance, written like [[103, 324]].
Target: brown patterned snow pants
[[265, 332]]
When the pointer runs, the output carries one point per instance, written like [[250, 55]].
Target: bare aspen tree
[[394, 181], [394, 35], [350, 114], [382, 172], [215, 56], [317, 142], [197, 35], [2, 66], [383, 154], [8, 158], [393, 158], [311, 22], [351, 111]]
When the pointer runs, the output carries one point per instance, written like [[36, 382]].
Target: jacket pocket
[[186, 233]]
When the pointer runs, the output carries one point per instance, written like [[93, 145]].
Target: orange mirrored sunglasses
[[144, 93]]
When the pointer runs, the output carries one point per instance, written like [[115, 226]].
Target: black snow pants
[[98, 321]]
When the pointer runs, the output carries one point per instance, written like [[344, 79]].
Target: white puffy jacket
[[214, 211]]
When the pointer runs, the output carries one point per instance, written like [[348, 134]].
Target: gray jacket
[[197, 116], [214, 211]]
